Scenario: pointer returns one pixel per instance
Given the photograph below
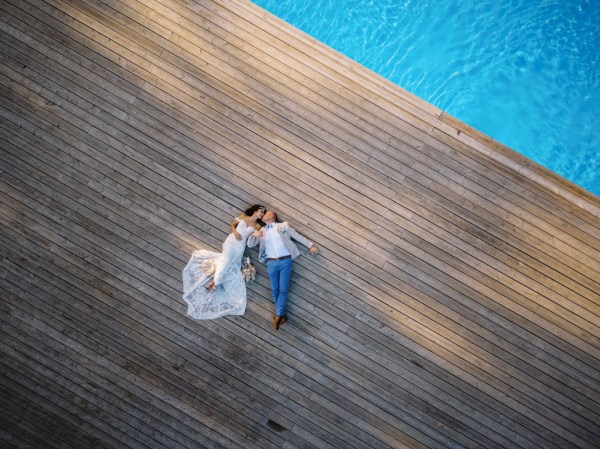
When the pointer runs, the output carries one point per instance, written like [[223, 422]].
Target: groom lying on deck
[[278, 252]]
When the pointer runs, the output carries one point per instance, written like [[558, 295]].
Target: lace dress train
[[224, 268]]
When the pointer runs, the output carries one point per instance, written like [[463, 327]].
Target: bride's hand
[[257, 234], [238, 236]]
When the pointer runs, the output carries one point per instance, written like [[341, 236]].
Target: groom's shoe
[[278, 321]]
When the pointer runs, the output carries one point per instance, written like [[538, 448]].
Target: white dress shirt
[[274, 245]]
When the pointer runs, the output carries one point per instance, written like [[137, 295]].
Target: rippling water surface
[[524, 72]]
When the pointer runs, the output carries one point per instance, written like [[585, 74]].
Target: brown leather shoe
[[278, 321]]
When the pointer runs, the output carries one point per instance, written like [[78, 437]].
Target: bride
[[213, 285]]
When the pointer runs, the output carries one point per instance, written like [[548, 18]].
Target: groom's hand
[[313, 250]]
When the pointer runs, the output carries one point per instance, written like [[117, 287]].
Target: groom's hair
[[275, 213]]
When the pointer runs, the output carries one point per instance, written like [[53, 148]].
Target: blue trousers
[[279, 274]]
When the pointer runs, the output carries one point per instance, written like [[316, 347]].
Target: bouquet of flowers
[[248, 270]]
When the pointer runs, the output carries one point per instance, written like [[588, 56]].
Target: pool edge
[[520, 163]]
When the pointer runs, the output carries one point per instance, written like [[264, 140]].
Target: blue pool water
[[525, 72]]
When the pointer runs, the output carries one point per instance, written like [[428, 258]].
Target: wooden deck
[[455, 302]]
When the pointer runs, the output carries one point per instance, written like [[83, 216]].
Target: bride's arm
[[234, 224]]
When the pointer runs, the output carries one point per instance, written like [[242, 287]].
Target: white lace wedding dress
[[226, 269]]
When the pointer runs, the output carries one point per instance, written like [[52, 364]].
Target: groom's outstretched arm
[[302, 240]]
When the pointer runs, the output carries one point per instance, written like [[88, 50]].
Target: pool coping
[[523, 165]]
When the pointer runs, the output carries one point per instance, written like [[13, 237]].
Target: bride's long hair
[[250, 211]]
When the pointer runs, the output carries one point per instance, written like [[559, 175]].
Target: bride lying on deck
[[213, 284]]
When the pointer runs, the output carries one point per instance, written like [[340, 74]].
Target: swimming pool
[[524, 72]]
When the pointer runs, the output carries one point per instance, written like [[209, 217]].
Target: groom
[[278, 252]]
